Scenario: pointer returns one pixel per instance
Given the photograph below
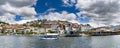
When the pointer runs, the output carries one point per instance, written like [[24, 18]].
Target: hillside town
[[48, 26]]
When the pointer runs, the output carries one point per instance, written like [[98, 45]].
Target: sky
[[93, 12]]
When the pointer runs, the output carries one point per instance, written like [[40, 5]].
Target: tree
[[31, 32], [49, 31], [24, 25]]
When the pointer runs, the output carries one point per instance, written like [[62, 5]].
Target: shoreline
[[78, 35]]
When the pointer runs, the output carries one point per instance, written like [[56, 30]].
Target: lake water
[[62, 42]]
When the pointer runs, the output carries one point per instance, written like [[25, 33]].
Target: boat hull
[[49, 37]]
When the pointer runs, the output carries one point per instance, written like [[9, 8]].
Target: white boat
[[49, 36]]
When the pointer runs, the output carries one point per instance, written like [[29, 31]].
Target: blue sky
[[43, 5]]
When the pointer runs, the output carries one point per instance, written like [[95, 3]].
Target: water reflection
[[63, 42], [105, 42]]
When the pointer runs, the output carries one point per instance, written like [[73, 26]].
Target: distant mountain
[[117, 26]]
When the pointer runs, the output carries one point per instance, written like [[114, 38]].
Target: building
[[85, 27], [54, 26], [1, 29], [27, 30], [75, 27], [103, 29]]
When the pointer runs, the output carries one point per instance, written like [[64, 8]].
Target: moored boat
[[49, 36]]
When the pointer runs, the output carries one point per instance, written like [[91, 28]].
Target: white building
[[107, 29], [9, 30], [27, 30], [39, 30], [1, 29], [54, 27], [85, 27]]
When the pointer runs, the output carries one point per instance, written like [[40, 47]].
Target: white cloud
[[64, 16], [11, 8], [101, 12], [18, 3], [7, 18], [23, 21], [68, 3]]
